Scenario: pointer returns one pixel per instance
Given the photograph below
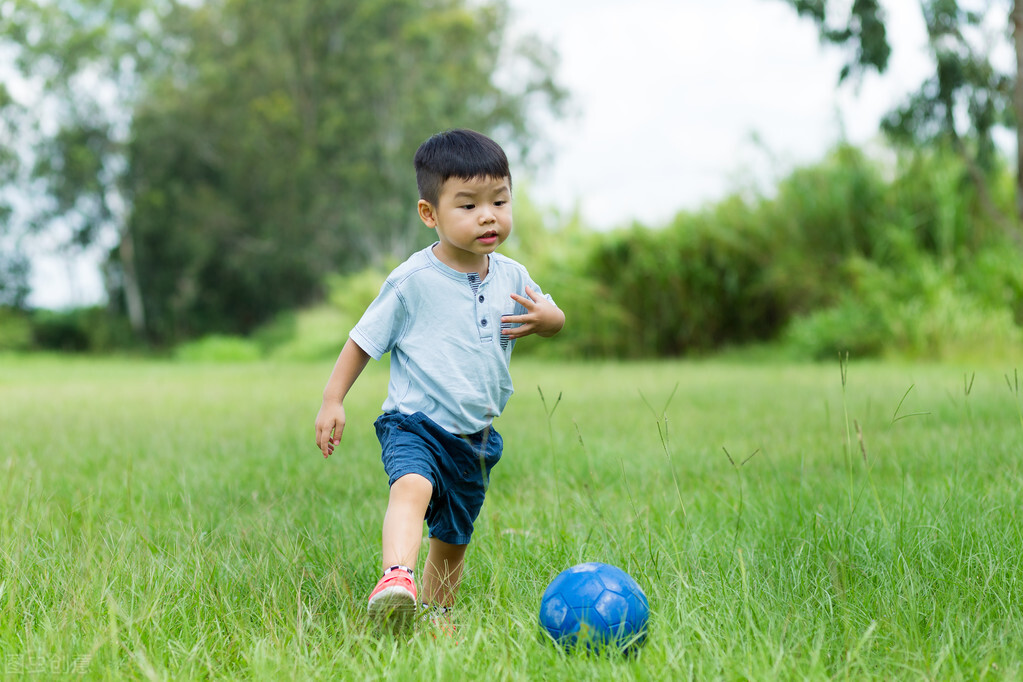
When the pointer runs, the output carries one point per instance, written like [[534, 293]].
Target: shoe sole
[[394, 606]]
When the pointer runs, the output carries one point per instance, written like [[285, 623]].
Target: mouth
[[488, 237]]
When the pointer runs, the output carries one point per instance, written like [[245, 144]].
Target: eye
[[468, 207]]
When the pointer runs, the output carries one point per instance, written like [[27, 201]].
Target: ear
[[427, 213]]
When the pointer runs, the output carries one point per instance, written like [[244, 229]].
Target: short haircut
[[460, 153]]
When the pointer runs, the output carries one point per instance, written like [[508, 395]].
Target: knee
[[412, 486], [445, 552]]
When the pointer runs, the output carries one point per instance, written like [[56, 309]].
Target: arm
[[542, 317], [330, 422]]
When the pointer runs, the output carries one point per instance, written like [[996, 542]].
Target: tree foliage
[[257, 145], [862, 32], [966, 98]]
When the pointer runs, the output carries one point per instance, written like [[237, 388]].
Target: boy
[[449, 316]]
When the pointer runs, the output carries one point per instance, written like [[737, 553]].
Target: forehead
[[454, 186]]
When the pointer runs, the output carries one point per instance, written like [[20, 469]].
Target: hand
[[542, 317], [330, 424]]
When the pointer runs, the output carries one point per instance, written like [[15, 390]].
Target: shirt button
[[481, 298], [483, 322]]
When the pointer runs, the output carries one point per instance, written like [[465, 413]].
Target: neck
[[474, 263]]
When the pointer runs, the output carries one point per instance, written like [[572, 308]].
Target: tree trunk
[[132, 291], [1017, 102]]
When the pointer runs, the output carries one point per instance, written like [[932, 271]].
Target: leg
[[442, 573], [403, 521], [394, 597]]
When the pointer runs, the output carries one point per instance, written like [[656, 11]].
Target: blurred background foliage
[[248, 164]]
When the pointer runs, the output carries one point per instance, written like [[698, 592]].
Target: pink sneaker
[[441, 622], [394, 597]]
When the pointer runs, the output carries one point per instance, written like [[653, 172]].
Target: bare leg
[[442, 573], [403, 521]]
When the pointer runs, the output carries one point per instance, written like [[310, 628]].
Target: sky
[[675, 103], [682, 101]]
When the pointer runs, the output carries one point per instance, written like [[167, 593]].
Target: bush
[[218, 348], [996, 275], [698, 284], [62, 331], [319, 332], [924, 312], [15, 330], [94, 329], [595, 325], [315, 334], [352, 293], [831, 210]]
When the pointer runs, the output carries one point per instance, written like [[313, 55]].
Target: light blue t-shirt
[[442, 327]]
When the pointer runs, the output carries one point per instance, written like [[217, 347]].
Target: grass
[[163, 520]]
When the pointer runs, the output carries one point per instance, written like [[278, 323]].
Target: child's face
[[472, 218]]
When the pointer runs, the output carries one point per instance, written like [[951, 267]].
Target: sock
[[411, 573], [437, 610]]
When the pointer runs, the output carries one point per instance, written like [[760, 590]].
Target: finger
[[324, 441], [517, 332], [523, 301]]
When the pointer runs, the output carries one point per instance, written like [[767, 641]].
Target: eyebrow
[[472, 194]]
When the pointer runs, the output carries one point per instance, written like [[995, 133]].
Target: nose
[[487, 215]]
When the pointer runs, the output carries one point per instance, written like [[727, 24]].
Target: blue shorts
[[457, 466]]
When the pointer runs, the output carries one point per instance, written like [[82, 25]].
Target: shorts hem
[[393, 478], [458, 540]]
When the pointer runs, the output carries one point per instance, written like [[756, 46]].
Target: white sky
[[669, 96], [672, 93]]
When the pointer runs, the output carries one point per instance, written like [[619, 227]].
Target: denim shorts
[[457, 466]]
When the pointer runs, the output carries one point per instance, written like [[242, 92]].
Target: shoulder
[[509, 266]]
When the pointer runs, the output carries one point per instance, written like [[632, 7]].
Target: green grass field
[[164, 520]]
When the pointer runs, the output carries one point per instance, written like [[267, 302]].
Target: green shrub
[[925, 311], [218, 348], [94, 329], [595, 325], [352, 293], [996, 275], [319, 332], [15, 330], [933, 197], [831, 210], [698, 284], [316, 334], [62, 331]]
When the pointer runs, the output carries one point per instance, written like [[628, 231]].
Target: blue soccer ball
[[597, 606]]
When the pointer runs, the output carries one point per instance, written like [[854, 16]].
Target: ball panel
[[615, 579], [613, 610], [584, 590], [553, 611]]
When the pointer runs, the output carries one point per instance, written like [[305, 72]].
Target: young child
[[449, 316]]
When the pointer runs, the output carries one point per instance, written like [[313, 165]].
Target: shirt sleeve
[[383, 323]]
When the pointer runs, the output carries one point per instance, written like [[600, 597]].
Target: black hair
[[459, 153]]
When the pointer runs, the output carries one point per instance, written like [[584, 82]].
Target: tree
[[86, 60], [13, 262], [862, 31], [965, 99], [267, 144]]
